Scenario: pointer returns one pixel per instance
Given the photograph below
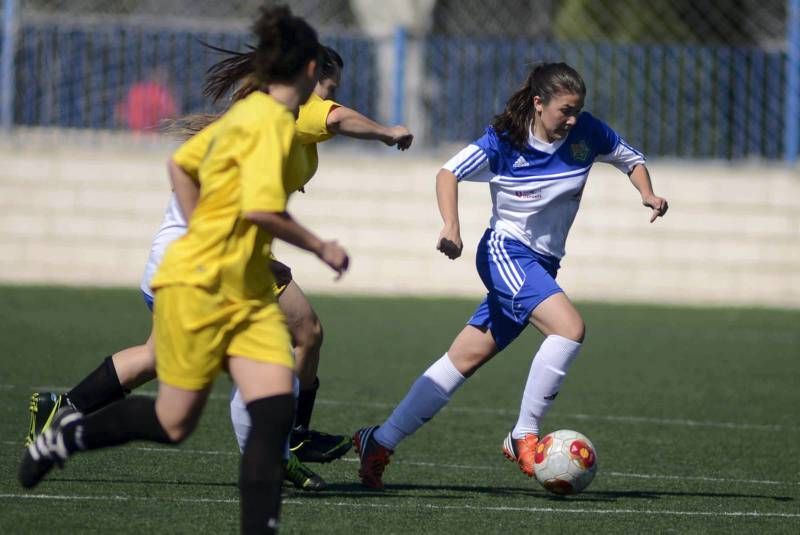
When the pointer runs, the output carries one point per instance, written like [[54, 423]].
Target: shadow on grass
[[448, 492], [460, 492]]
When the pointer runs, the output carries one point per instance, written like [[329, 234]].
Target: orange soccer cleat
[[521, 451]]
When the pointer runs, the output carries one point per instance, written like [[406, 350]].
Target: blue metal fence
[[76, 76], [686, 101], [669, 100]]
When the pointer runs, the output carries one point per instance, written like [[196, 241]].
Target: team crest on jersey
[[580, 151]]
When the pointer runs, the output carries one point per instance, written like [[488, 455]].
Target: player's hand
[[400, 136], [335, 256], [450, 243], [658, 204]]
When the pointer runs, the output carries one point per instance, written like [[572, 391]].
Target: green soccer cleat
[[301, 476], [43, 408], [47, 449], [316, 447]]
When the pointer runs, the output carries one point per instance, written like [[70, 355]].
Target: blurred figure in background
[[148, 102]]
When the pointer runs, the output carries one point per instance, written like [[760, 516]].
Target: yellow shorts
[[195, 332]]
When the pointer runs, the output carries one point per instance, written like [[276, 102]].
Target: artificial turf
[[694, 414]]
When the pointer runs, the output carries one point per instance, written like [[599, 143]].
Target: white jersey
[[536, 191], [173, 226]]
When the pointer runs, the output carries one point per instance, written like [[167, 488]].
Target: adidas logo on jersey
[[521, 162]]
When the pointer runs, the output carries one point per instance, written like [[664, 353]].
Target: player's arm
[[449, 242], [620, 154], [184, 168], [348, 122], [185, 186], [640, 178], [281, 225], [262, 164]]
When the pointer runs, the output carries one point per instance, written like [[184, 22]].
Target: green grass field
[[694, 413]]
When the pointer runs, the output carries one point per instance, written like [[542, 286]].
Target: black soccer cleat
[[301, 476], [316, 447], [47, 449]]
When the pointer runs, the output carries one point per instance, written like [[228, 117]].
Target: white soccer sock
[[426, 397], [240, 418], [548, 369]]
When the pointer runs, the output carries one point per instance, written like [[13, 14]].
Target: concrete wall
[[72, 214]]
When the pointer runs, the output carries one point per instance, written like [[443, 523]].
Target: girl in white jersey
[[132, 367], [536, 158]]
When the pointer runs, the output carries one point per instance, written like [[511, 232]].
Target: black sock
[[98, 389], [261, 472], [305, 405], [119, 423]]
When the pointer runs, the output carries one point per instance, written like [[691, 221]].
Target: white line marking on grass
[[571, 510], [177, 450], [593, 417], [678, 422], [117, 498], [484, 467], [681, 422], [604, 473], [700, 478]]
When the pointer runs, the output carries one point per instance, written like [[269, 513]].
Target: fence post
[[791, 138], [10, 23], [399, 85]]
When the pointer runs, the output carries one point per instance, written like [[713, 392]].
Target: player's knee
[[575, 331], [178, 432]]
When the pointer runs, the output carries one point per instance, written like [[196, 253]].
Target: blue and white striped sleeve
[[611, 148], [471, 164], [624, 157]]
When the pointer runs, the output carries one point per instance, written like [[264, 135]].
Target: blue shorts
[[148, 300], [517, 278]]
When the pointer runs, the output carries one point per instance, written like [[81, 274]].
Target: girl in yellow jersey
[[319, 119], [216, 307]]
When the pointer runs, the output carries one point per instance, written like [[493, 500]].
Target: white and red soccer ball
[[565, 462]]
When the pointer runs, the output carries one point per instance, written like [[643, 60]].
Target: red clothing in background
[[146, 104]]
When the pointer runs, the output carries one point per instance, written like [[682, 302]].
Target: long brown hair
[[235, 74], [545, 80]]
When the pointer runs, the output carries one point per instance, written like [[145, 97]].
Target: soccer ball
[[565, 462]]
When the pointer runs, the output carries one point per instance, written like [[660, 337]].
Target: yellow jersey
[[246, 168], [311, 128]]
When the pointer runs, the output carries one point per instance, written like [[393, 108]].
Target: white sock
[[548, 369], [240, 418], [426, 397]]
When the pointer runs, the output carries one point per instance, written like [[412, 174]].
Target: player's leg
[[473, 347], [190, 357], [266, 390], [110, 381], [306, 330], [297, 473], [168, 419], [563, 327]]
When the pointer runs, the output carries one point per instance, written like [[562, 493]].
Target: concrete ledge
[[76, 213]]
